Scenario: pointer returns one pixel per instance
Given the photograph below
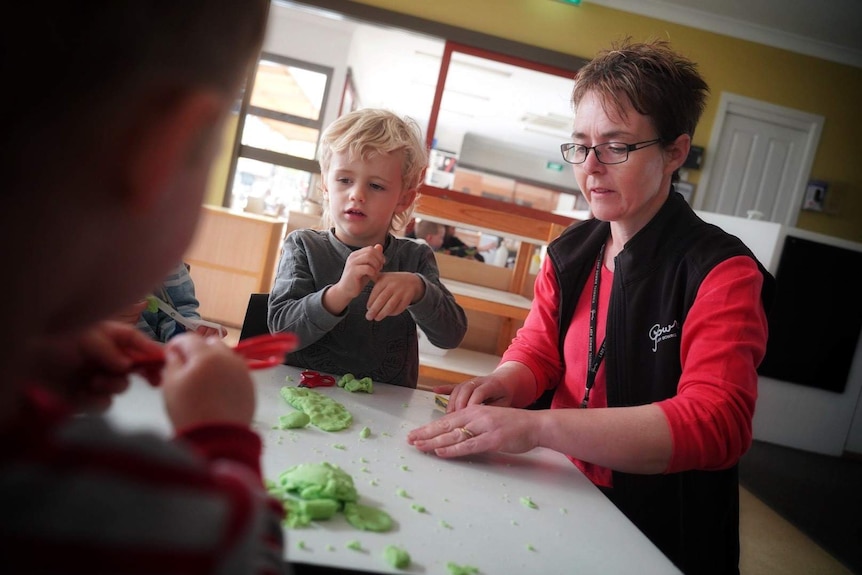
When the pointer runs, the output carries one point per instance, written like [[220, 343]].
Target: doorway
[[762, 160]]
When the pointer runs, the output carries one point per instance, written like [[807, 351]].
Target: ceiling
[[397, 69], [826, 29]]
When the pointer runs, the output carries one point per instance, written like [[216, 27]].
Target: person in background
[[647, 325], [178, 291], [430, 233], [121, 163], [354, 293], [454, 246]]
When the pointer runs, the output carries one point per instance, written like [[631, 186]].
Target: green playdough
[[293, 420], [325, 413], [397, 557], [455, 569], [317, 491], [367, 518], [349, 382], [318, 481]]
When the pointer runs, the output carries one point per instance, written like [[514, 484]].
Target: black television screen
[[816, 318]]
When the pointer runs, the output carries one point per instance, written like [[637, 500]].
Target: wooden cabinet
[[496, 299], [233, 255]]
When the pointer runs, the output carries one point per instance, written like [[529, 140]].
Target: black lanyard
[[594, 361]]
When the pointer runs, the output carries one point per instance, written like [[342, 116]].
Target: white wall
[[297, 34], [789, 414]]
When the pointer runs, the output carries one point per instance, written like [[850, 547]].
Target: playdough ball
[[319, 481], [367, 518], [293, 420], [397, 557]]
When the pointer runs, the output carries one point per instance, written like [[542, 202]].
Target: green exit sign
[[554, 166]]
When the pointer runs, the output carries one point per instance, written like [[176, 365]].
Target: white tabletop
[[474, 513]]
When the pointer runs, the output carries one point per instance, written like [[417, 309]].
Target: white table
[[474, 514]]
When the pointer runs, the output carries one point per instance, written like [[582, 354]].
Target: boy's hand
[[392, 293], [206, 381], [89, 367], [361, 267]]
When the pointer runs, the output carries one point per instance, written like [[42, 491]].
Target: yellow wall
[[221, 167], [831, 90]]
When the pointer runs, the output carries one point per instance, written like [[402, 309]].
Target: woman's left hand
[[477, 429]]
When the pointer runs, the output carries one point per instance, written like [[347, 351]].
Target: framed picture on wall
[[349, 97]]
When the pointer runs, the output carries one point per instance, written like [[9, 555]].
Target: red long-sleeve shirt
[[723, 340], [78, 497]]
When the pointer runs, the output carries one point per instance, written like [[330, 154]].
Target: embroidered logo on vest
[[658, 333]]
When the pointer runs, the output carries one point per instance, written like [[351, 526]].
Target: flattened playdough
[[324, 412], [367, 518]]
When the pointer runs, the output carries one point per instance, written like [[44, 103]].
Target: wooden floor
[[769, 544]]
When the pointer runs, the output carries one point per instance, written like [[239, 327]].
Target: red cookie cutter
[[310, 378]]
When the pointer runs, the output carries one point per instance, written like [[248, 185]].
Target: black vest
[[693, 516]]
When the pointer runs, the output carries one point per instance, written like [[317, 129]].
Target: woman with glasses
[[646, 329]]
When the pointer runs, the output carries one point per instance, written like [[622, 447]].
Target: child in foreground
[[112, 152], [354, 293]]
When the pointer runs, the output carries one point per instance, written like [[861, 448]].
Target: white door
[[760, 160]]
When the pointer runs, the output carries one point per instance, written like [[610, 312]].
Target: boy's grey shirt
[[386, 350]]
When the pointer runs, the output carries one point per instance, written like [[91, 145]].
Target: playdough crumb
[[445, 525], [528, 502], [354, 544], [405, 468], [397, 557], [455, 569], [403, 493], [418, 508], [364, 470], [530, 547], [339, 446], [563, 510], [513, 522], [330, 547], [363, 460], [300, 544], [365, 433]]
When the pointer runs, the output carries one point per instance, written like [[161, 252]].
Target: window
[[275, 169]]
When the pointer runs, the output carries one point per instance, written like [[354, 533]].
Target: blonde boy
[[354, 293]]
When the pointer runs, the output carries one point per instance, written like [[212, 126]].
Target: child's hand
[[392, 293], [361, 266], [205, 381], [89, 367], [132, 313]]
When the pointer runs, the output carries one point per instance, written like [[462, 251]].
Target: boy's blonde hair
[[370, 131]]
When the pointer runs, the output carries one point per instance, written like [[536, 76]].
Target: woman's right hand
[[510, 385], [204, 381]]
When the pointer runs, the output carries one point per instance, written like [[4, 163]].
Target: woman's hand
[[89, 367], [477, 429], [206, 381]]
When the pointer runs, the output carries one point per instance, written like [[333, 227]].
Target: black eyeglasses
[[609, 153]]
